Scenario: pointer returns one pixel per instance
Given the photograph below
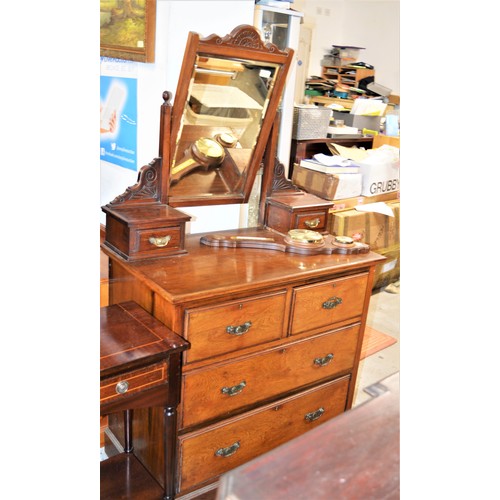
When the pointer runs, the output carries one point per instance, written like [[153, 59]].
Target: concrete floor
[[383, 315]]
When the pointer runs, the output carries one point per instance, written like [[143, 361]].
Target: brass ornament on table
[[304, 236], [343, 241]]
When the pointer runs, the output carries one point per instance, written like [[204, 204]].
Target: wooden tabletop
[[130, 336], [211, 271]]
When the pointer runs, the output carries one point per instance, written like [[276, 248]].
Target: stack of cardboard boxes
[[368, 224], [378, 230]]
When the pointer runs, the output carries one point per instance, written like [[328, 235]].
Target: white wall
[[373, 24], [174, 20]]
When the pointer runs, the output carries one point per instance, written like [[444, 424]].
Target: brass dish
[[304, 236]]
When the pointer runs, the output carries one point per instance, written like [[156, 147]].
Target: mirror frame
[[143, 221], [243, 43]]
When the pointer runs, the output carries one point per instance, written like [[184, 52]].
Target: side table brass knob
[[122, 387]]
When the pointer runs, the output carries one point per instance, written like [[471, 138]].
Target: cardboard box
[[348, 203], [379, 177], [358, 121], [389, 271], [327, 186], [377, 230], [380, 140]]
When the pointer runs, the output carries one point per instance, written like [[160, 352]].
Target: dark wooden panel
[[354, 455]]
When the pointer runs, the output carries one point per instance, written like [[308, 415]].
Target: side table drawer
[[216, 392], [322, 305], [231, 326], [206, 454], [133, 382]]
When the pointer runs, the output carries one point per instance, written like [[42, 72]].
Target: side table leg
[[170, 445], [127, 417]]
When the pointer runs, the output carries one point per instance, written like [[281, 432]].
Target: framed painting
[[128, 29]]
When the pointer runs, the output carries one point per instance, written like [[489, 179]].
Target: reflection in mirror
[[221, 122]]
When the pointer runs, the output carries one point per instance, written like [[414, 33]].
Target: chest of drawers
[[275, 345]]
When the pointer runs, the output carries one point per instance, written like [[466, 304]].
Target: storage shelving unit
[[346, 75]]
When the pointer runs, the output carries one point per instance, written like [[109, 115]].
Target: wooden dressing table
[[275, 323], [271, 354]]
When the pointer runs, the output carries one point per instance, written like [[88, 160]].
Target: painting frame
[[144, 49]]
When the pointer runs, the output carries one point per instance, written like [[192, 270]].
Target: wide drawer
[[206, 454], [324, 304], [231, 326], [216, 392], [134, 381]]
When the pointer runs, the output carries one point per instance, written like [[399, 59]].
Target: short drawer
[[323, 304], [314, 220], [206, 454], [231, 326], [159, 241], [134, 381], [216, 392]]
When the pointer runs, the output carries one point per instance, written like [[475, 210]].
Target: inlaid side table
[[140, 368]]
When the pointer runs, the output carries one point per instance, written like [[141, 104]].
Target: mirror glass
[[226, 103]]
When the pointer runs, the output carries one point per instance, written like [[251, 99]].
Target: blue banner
[[119, 121]]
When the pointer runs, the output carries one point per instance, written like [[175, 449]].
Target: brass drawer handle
[[161, 241], [122, 387], [227, 452], [323, 361], [239, 330], [236, 389], [312, 223], [314, 415], [332, 302]]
